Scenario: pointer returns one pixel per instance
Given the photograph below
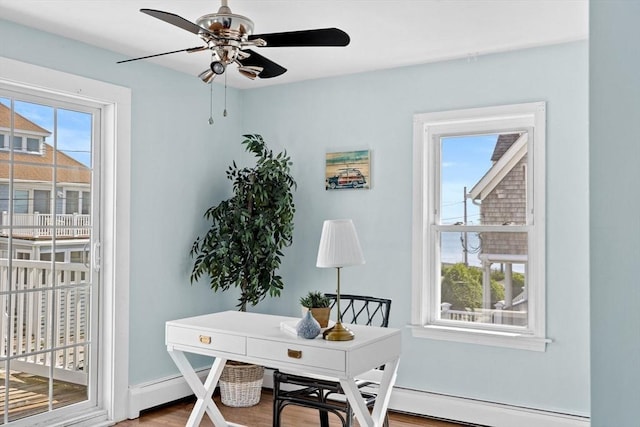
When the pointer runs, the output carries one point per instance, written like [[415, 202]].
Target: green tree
[[497, 292], [518, 283], [461, 287], [243, 247]]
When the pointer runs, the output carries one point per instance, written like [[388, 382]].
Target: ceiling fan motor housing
[[230, 30]]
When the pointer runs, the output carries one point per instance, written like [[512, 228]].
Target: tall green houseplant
[[243, 247]]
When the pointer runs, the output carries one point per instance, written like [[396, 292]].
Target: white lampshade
[[339, 245]]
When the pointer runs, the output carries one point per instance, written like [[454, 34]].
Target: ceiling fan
[[229, 37]]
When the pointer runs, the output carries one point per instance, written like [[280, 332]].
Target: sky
[[465, 159], [73, 127]]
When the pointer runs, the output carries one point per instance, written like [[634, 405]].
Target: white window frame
[[115, 158], [425, 311]]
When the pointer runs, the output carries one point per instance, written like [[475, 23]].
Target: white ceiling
[[384, 33]]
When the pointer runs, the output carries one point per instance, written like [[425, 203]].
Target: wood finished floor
[[177, 413]]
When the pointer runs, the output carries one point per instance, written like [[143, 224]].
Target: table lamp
[[339, 247]]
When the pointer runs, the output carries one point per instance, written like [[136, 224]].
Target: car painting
[[348, 169]]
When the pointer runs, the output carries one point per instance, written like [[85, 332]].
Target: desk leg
[[375, 419], [384, 393], [203, 392]]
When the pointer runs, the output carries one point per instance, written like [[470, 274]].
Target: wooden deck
[[29, 394]]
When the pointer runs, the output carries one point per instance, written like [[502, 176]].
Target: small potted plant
[[319, 304]]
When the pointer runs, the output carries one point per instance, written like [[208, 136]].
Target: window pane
[[47, 256], [79, 256], [484, 179], [33, 145], [86, 202], [489, 285], [2, 141], [74, 141], [4, 198], [21, 202], [71, 205], [42, 201], [464, 161], [17, 143]]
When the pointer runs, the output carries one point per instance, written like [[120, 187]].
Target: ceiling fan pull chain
[[225, 95], [210, 103]]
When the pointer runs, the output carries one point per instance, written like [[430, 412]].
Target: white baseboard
[[478, 412], [155, 393], [148, 395]]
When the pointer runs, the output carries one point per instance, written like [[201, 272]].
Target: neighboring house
[[502, 196], [31, 163]]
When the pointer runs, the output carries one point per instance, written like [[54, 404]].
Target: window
[[478, 228], [86, 203], [17, 143], [71, 202], [33, 145], [79, 256], [42, 201], [21, 201], [47, 256]]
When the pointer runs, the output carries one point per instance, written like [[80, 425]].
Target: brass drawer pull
[[295, 354], [205, 339]]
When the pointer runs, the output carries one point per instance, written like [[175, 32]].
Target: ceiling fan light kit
[[229, 37], [217, 67], [207, 76]]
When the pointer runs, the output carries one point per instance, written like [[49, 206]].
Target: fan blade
[[320, 37], [190, 50], [269, 68], [174, 19]]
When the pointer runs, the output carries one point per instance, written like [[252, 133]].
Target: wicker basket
[[241, 385]]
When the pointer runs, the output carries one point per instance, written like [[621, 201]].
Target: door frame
[[113, 256]]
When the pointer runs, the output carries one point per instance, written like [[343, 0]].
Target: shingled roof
[[20, 123], [503, 144], [38, 166]]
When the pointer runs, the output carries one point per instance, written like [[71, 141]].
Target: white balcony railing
[[44, 318], [35, 225], [497, 316]]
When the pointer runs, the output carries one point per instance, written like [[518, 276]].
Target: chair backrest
[[363, 310]]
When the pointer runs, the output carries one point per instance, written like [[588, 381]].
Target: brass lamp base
[[338, 333]]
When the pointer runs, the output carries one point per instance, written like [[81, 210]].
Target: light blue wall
[[615, 212], [375, 111], [178, 164]]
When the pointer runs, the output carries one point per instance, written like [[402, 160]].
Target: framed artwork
[[348, 169]]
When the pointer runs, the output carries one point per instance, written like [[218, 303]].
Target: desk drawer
[[297, 354], [202, 339]]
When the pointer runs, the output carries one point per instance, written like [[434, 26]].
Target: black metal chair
[[327, 395]]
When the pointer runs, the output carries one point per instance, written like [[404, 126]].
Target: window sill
[[482, 337]]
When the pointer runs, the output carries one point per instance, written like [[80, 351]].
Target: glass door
[[48, 284]]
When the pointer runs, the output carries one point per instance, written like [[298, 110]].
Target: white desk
[[257, 338]]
